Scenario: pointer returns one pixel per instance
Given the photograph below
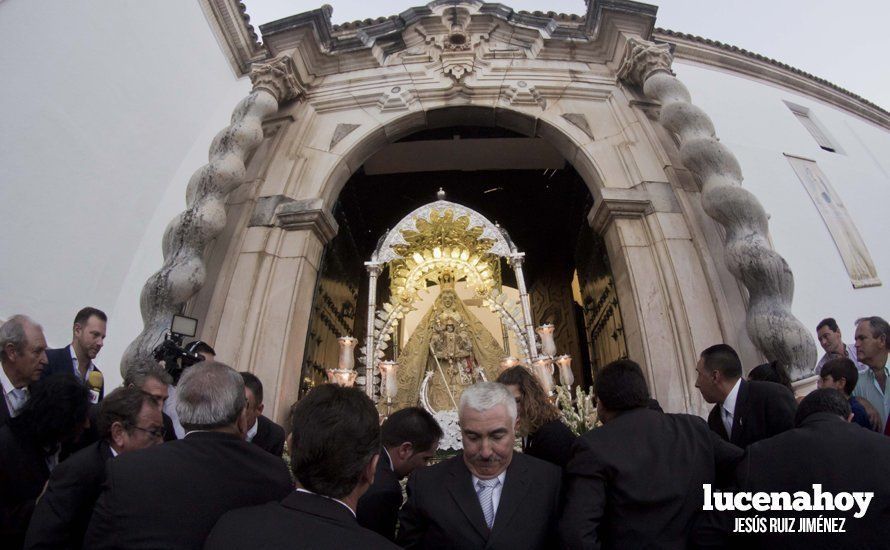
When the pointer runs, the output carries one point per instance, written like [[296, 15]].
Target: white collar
[[729, 402], [251, 433], [75, 362], [7, 383], [351, 511], [501, 477]]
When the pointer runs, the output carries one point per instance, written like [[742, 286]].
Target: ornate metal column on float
[[516, 260], [186, 236], [771, 325], [374, 270]]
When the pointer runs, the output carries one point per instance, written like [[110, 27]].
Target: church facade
[[669, 192]]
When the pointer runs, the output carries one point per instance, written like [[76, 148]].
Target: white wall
[[753, 121], [108, 106]]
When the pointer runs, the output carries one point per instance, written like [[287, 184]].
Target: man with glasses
[[128, 420]]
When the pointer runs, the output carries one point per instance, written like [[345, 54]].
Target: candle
[[548, 346], [508, 362], [543, 369], [342, 377], [566, 376], [388, 383]]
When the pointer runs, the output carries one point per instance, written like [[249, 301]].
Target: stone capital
[[607, 209], [374, 268], [307, 214], [643, 58], [277, 76]]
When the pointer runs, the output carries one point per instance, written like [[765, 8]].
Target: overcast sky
[[844, 43]]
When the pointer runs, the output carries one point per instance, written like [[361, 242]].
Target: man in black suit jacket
[[637, 481], [489, 496], [745, 411], [335, 443], [77, 357], [262, 432], [170, 496], [128, 420], [824, 448], [410, 439]]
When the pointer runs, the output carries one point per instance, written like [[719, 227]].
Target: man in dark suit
[[637, 481], [826, 449], [410, 439], [171, 495], [55, 412], [128, 420], [489, 496], [22, 361], [152, 379], [334, 450], [745, 411], [262, 432], [77, 357]]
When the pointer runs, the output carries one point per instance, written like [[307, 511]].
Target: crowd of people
[[194, 463]]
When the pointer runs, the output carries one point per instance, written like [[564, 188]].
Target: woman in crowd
[[55, 413], [543, 434]]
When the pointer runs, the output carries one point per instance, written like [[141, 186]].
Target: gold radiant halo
[[443, 244]]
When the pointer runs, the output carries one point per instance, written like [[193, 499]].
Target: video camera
[[175, 356]]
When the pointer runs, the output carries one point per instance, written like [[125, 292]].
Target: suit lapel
[[738, 415], [460, 485], [715, 421], [512, 495]]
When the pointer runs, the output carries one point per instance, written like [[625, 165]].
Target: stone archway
[[264, 240]]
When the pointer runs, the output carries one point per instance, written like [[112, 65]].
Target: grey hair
[[485, 396], [140, 370], [13, 332], [879, 327], [209, 395]]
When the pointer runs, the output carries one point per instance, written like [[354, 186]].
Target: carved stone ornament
[[523, 93], [457, 64], [643, 58], [748, 254], [397, 98], [278, 77]]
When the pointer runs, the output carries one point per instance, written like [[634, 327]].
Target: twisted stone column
[[772, 327], [186, 236]]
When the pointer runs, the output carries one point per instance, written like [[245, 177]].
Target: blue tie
[[485, 490]]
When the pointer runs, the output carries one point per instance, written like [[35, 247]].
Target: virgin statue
[[449, 350]]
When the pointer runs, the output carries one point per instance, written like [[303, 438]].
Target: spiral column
[[187, 234], [764, 273]]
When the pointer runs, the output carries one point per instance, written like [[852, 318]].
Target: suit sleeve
[[780, 410], [278, 447], [100, 533], [56, 512], [585, 499], [379, 512], [412, 522]]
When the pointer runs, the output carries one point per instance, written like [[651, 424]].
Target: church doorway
[[524, 186]]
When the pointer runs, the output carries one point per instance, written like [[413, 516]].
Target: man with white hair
[[22, 360], [171, 495], [489, 496]]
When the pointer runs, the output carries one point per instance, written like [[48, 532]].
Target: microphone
[[95, 383]]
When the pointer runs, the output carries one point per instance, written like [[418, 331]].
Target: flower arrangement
[[451, 438], [578, 414]]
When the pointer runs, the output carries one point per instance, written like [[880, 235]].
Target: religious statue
[[449, 351]]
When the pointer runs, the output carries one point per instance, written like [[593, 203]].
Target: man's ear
[[259, 409], [78, 328], [241, 423], [371, 469], [405, 450], [117, 434]]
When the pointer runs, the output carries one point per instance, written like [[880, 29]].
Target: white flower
[[451, 438]]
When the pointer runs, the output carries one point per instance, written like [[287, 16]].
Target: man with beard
[[77, 357], [488, 497]]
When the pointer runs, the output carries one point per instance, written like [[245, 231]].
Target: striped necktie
[[485, 490]]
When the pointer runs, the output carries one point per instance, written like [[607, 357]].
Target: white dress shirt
[[251, 433], [86, 374], [10, 399], [727, 408], [495, 492]]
